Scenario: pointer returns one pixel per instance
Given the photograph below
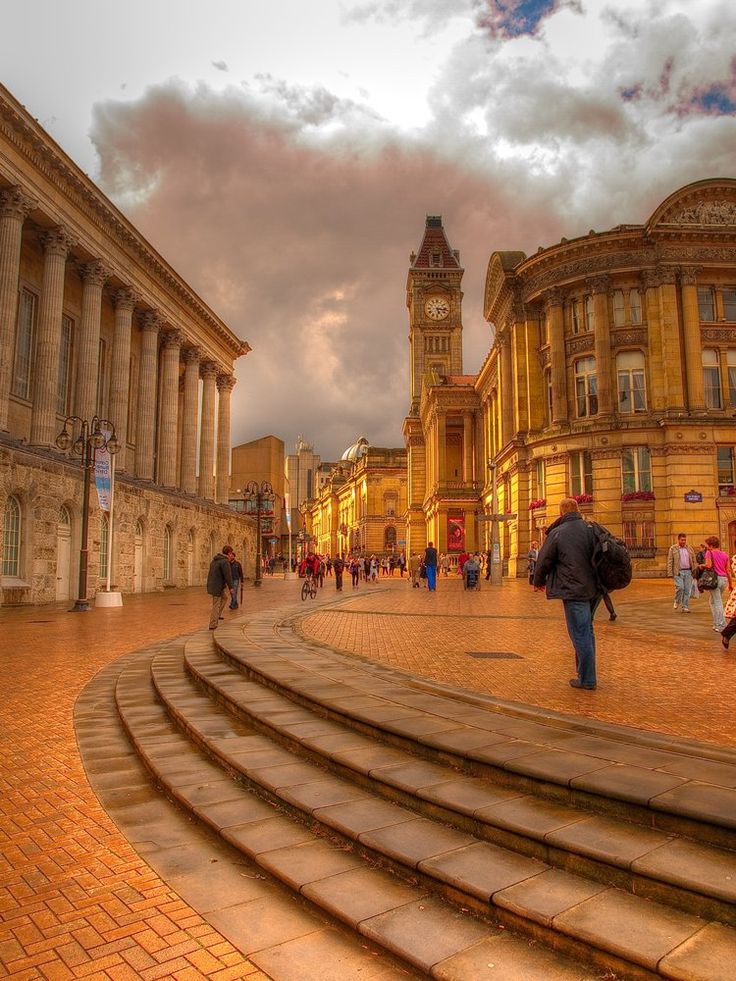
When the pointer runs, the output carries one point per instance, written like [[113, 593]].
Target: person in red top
[[309, 566]]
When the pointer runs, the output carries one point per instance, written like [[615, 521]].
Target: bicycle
[[309, 587]]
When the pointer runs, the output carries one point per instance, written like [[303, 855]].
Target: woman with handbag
[[716, 566], [729, 610]]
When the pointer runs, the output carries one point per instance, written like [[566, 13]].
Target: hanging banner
[[456, 533], [288, 511], [103, 477]]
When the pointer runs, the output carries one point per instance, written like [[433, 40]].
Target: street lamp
[[94, 435], [259, 500]]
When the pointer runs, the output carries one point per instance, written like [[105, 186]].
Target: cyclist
[[309, 567]]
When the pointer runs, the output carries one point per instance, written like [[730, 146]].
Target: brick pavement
[[77, 901]]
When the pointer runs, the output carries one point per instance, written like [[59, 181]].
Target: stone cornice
[[46, 156]]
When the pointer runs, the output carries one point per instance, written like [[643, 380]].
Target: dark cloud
[[221, 66], [303, 249]]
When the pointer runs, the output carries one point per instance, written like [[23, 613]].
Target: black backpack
[[611, 559]]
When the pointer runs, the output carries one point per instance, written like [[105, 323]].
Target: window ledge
[[13, 582]]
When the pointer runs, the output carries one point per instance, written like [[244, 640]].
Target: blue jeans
[[234, 594], [579, 621], [431, 577], [715, 598], [683, 587]]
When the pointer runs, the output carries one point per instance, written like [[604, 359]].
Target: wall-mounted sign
[[693, 497]]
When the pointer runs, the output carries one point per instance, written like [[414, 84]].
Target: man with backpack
[[565, 567]]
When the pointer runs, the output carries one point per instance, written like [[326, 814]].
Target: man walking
[[339, 566], [430, 564], [680, 567], [565, 567], [219, 583], [236, 571]]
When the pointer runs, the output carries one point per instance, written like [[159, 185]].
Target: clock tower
[[434, 301]]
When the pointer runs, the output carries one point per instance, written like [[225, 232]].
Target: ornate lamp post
[[92, 436], [259, 500]]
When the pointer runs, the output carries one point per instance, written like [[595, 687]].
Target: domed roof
[[356, 451]]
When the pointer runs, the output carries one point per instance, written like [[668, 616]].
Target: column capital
[[151, 322], [225, 383], [15, 203], [57, 241], [552, 298], [191, 355], [94, 273], [599, 284], [208, 369], [689, 275], [171, 338], [125, 299], [659, 276]]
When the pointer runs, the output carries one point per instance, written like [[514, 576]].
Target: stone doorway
[[64, 555], [138, 559]]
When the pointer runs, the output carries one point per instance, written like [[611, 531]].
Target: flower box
[[583, 498], [638, 496], [536, 505]]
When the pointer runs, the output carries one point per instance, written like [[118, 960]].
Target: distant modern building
[[258, 461], [94, 322], [611, 378]]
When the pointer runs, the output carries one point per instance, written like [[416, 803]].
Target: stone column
[[669, 320], [188, 483], [94, 275], [14, 208], [468, 421], [558, 368], [147, 382], [600, 287], [507, 389], [170, 349], [125, 301], [441, 462], [56, 244], [225, 386], [693, 346], [207, 432]]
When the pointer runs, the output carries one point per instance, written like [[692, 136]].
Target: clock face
[[437, 308]]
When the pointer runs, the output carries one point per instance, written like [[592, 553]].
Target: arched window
[[11, 538], [168, 544], [389, 538], [104, 540], [632, 391], [65, 516]]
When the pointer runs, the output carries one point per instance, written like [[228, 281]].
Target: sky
[[283, 157]]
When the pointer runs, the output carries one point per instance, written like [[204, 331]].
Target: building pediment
[[708, 204]]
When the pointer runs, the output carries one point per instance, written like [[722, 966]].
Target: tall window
[[639, 534], [635, 306], [619, 311], [540, 478], [581, 473], [588, 313], [24, 345], [11, 538], [389, 538], [586, 388], [712, 379], [104, 539], [168, 542], [575, 319], [731, 359], [726, 461], [729, 303], [706, 304], [389, 505], [548, 394], [636, 470], [632, 393], [65, 366]]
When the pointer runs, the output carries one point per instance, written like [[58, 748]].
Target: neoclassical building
[[94, 322], [360, 509], [612, 378]]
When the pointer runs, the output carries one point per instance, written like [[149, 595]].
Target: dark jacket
[[430, 556], [236, 570], [564, 564], [220, 575]]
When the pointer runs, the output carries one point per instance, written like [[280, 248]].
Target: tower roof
[[435, 251]]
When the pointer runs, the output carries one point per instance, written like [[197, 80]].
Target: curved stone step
[[690, 876], [621, 931], [671, 789], [422, 931]]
